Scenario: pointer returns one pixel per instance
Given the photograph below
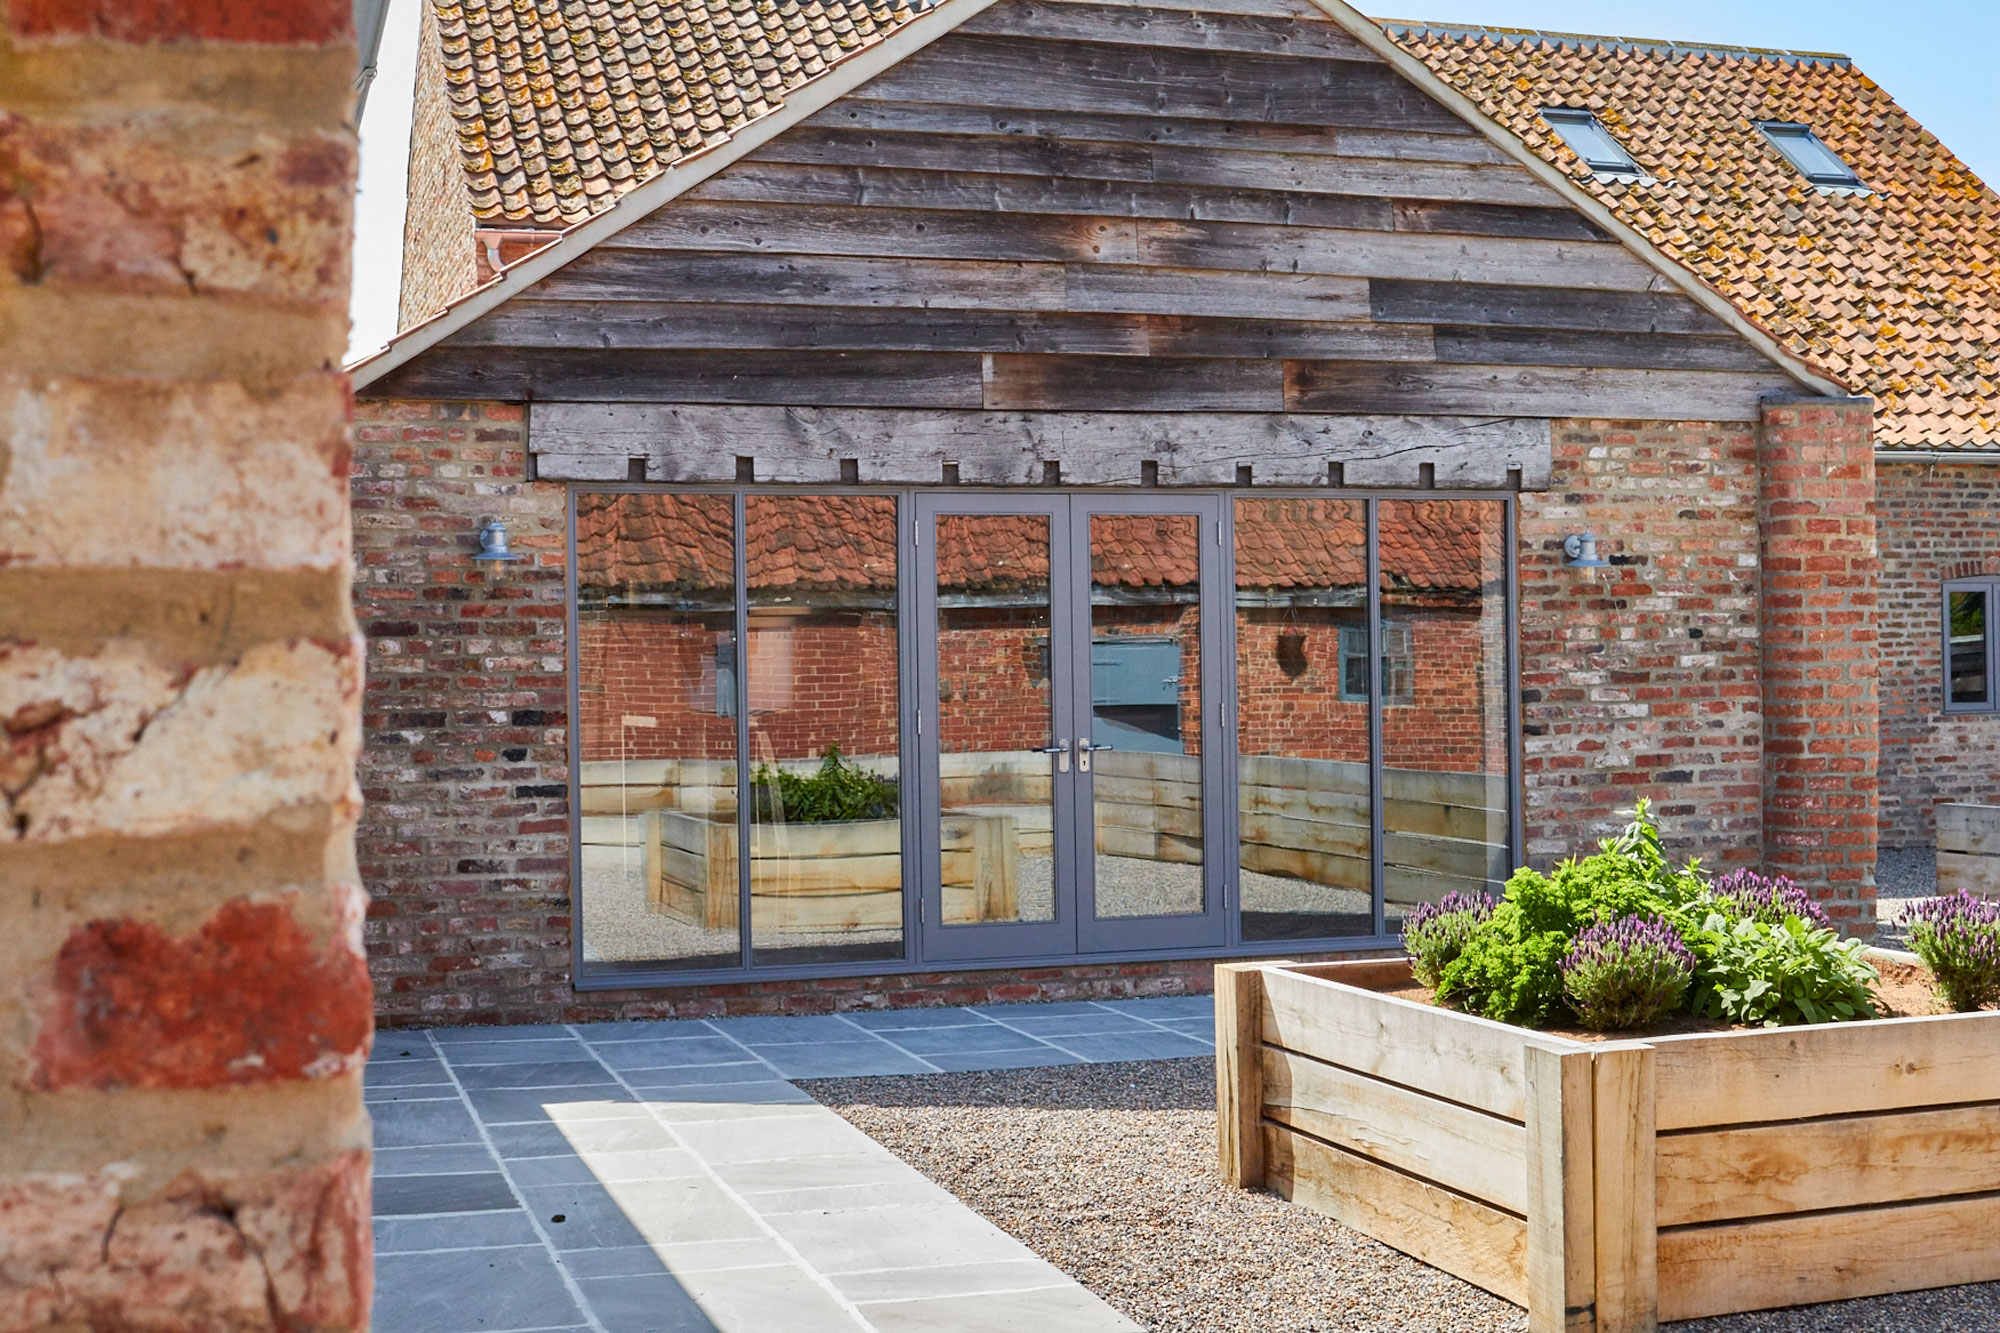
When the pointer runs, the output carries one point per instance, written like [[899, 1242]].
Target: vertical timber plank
[[1562, 1193], [1239, 1072], [1626, 1221]]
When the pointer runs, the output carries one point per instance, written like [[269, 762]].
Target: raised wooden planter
[[1968, 849], [1614, 1185], [812, 878]]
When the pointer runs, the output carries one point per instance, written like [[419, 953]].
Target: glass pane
[[656, 620], [826, 837], [1302, 719], [1145, 708], [1966, 669], [1445, 751], [995, 714]]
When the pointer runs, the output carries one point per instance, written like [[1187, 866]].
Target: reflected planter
[[821, 878], [1612, 1185]]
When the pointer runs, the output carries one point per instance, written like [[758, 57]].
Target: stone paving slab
[[634, 1177]]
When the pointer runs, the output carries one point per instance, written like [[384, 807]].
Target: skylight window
[[1589, 140], [1815, 161]]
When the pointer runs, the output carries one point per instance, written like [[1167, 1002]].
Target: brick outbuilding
[[1028, 499]]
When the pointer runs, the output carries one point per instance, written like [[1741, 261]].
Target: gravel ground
[[1108, 1172]]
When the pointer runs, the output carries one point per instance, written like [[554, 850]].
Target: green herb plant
[[1758, 972], [837, 791]]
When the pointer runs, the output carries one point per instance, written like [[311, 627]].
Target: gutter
[[1987, 456]]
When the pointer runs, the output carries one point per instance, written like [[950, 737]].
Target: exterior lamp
[[493, 546], [1580, 552]]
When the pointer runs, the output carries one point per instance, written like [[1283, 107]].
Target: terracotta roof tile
[[1894, 293], [665, 541], [563, 105]]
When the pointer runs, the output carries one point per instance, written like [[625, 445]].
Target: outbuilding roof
[[562, 107], [1895, 290]]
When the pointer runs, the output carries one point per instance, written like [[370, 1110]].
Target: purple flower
[[1958, 937], [1626, 973], [1435, 933], [1770, 899]]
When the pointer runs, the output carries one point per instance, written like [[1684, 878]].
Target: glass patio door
[[1067, 770]]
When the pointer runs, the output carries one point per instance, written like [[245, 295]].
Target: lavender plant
[[1958, 937], [1626, 973], [1769, 899], [1435, 933]]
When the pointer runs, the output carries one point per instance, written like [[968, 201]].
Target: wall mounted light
[[1580, 551], [493, 546]]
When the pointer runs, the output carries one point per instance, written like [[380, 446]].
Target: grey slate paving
[[841, 1059], [463, 1193], [700, 1191], [464, 1290], [1149, 1045], [413, 1124], [674, 1053], [401, 1235]]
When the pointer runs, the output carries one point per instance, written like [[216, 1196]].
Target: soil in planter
[[1905, 991]]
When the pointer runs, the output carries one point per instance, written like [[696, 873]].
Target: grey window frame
[[1779, 133], [1990, 585], [1625, 168], [601, 975]]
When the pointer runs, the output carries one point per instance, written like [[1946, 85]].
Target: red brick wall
[[1936, 521], [1820, 568], [464, 840], [1643, 679], [183, 994]]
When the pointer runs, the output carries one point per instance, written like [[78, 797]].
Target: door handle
[[1085, 749], [1061, 751]]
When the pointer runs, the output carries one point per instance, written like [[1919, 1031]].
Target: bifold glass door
[[1066, 733]]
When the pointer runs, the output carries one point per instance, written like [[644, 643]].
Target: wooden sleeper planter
[[1612, 1185]]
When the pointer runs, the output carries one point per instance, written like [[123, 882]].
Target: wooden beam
[[1134, 80], [1176, 29], [1464, 1150], [1831, 1256], [584, 374], [888, 187], [1426, 302], [1561, 1192], [1627, 1287], [1891, 1064], [1128, 384], [687, 442], [1163, 163], [1466, 1238], [1656, 395], [1566, 347], [1843, 1162], [1239, 1073]]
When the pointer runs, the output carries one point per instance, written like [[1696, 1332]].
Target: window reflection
[[1303, 793], [826, 836], [1445, 748], [656, 619]]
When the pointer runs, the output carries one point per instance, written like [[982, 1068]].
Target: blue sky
[[1935, 57]]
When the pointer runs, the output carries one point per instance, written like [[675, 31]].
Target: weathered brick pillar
[[184, 1004], [1816, 511]]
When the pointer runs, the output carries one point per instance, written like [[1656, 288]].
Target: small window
[[1969, 607], [1589, 140], [1815, 161], [1398, 687]]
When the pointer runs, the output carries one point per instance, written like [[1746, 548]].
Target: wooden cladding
[[1112, 208], [1613, 1185]]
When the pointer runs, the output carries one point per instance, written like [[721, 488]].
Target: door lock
[[1084, 749]]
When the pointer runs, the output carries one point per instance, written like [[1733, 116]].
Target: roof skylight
[[1589, 140], [1815, 161]]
